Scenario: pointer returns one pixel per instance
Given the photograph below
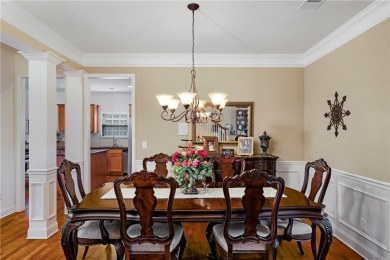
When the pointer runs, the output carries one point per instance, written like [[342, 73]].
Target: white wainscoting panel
[[330, 199], [362, 216], [360, 211], [358, 208], [291, 172]]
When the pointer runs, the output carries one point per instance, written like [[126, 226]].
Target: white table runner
[[162, 193]]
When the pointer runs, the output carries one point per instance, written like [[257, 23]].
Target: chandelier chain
[[193, 42]]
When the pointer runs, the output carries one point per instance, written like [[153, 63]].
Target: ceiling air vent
[[310, 4]]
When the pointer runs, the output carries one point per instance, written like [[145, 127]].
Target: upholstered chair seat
[[300, 228], [160, 230], [236, 229], [90, 230]]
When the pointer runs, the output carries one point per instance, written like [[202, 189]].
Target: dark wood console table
[[264, 162]]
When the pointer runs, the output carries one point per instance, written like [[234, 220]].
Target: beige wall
[[359, 70], [277, 93], [7, 130]]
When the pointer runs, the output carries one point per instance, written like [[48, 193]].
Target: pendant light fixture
[[194, 111]]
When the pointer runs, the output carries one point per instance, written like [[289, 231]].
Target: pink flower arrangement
[[192, 164]]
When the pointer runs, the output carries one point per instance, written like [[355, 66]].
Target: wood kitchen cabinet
[[94, 110], [61, 118], [115, 162]]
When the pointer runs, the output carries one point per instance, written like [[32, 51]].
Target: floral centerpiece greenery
[[190, 166]]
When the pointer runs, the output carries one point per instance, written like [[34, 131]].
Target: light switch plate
[[183, 128], [144, 145]]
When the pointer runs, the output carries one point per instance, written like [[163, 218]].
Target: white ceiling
[[254, 27], [164, 27], [158, 33]]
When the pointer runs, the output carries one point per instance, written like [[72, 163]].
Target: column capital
[[43, 56], [75, 73]]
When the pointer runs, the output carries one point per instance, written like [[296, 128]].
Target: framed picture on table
[[211, 144], [228, 152], [245, 145]]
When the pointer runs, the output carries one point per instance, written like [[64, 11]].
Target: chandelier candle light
[[193, 107]]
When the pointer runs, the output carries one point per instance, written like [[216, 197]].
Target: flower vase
[[185, 188]]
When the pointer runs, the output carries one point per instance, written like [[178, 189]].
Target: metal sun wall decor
[[336, 114]]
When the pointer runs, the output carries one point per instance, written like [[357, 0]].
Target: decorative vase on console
[[189, 167], [264, 142]]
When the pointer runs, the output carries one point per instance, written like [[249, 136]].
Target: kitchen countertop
[[93, 151], [125, 149], [61, 151]]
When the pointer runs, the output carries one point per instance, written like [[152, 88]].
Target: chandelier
[[194, 108]]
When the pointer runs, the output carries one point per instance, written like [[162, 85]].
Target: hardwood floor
[[14, 245]]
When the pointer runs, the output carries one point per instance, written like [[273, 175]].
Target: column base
[[42, 203], [35, 232]]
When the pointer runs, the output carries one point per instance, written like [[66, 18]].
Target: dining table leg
[[326, 237], [67, 240], [212, 255]]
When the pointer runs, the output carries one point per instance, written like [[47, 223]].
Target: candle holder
[[264, 142]]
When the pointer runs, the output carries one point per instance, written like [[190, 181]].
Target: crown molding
[[183, 60], [20, 19], [362, 22], [368, 18]]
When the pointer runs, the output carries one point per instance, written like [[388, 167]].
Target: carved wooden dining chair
[[149, 238], [90, 232], [228, 165], [160, 160], [299, 229], [249, 236], [224, 166]]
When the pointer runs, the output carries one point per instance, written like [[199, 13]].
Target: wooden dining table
[[293, 205]]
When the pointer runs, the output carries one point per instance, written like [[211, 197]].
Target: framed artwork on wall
[[211, 144], [245, 145]]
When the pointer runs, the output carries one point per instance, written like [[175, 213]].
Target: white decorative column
[[42, 162], [77, 122]]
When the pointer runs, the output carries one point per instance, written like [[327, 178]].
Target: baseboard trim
[[7, 211]]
